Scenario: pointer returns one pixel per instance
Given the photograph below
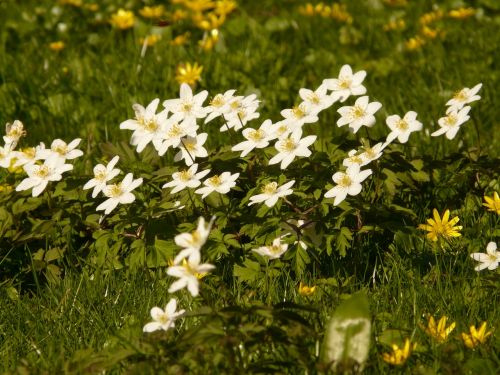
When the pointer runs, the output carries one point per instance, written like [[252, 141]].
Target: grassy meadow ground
[[81, 315]]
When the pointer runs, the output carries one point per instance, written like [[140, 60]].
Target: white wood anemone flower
[[241, 111], [317, 100], [450, 124], [300, 115], [40, 175], [102, 174], [14, 132], [274, 251], [62, 150], [401, 128], [220, 183], [172, 134], [255, 138], [188, 178], [291, 147], [463, 97], [192, 148], [188, 106], [371, 153], [358, 115], [219, 105], [490, 260], [353, 158], [164, 319], [191, 243], [188, 274], [119, 193], [29, 155], [346, 84], [271, 192], [348, 183], [6, 156]]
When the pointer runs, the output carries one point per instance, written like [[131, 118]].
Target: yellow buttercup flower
[[179, 40], [439, 332], [307, 10], [441, 227], [475, 337], [395, 25], [431, 17], [414, 43], [209, 40], [305, 290], [178, 15], [198, 5], [399, 356], [493, 203], [152, 12], [123, 19], [462, 13], [429, 33], [57, 46], [224, 7], [187, 73]]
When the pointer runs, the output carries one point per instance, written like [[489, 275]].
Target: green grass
[[83, 312]]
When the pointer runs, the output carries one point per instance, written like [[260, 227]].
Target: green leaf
[[249, 272], [343, 241], [348, 333]]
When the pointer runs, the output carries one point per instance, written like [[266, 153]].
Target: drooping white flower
[[489, 260], [147, 125], [62, 150], [102, 174], [463, 97], [271, 192], [219, 105], [14, 132], [172, 134], [241, 111], [29, 155], [188, 107], [353, 158], [401, 128], [220, 183], [450, 124], [256, 138], [40, 175], [274, 251], [317, 100], [191, 243], [119, 193], [192, 148], [300, 115], [361, 113], [164, 319], [291, 147], [188, 274], [188, 178], [371, 153], [346, 84], [348, 183]]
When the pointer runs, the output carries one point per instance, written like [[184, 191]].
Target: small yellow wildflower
[[5, 188], [179, 40], [57, 46], [429, 33], [475, 337], [307, 10], [340, 13], [178, 15], [150, 40], [209, 21], [493, 203], [395, 25], [123, 19], [439, 332], [461, 13], [152, 12], [438, 227], [431, 17], [305, 290], [198, 5], [187, 73], [224, 7], [399, 356], [414, 43]]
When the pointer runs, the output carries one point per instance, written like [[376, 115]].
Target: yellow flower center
[[345, 181], [175, 131], [402, 124], [236, 104], [184, 176], [450, 120], [192, 271], [100, 175], [163, 318], [218, 101], [214, 181], [29, 152], [270, 188], [16, 132], [345, 83], [288, 145], [357, 112], [355, 159], [299, 112], [370, 153], [275, 249], [61, 149], [460, 95], [313, 98], [42, 172], [190, 145], [114, 191], [256, 135]]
